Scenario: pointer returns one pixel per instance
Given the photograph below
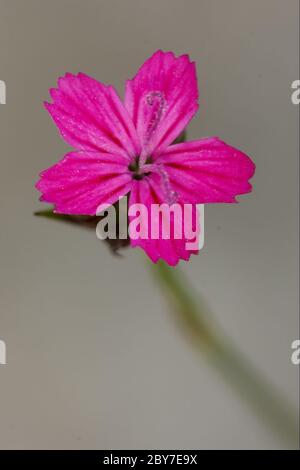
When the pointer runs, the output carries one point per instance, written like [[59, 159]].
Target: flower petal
[[171, 250], [162, 99], [207, 171], [91, 116], [83, 180]]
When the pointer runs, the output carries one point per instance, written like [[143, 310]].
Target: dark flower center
[[138, 172]]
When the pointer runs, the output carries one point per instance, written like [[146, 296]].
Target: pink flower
[[127, 147]]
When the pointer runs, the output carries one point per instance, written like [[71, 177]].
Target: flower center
[[138, 171]]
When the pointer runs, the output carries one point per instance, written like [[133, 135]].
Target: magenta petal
[[83, 180], [148, 192], [207, 171], [162, 99], [91, 116]]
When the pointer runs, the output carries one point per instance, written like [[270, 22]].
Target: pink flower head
[[127, 147]]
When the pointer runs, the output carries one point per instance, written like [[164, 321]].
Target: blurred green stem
[[228, 361]]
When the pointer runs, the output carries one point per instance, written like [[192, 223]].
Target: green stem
[[233, 366]]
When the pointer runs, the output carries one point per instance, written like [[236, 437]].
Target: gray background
[[95, 359]]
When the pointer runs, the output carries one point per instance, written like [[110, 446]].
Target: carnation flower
[[127, 148]]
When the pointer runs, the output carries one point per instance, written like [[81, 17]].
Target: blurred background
[[94, 357]]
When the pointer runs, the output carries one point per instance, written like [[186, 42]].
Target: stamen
[[156, 101], [170, 194], [154, 107]]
